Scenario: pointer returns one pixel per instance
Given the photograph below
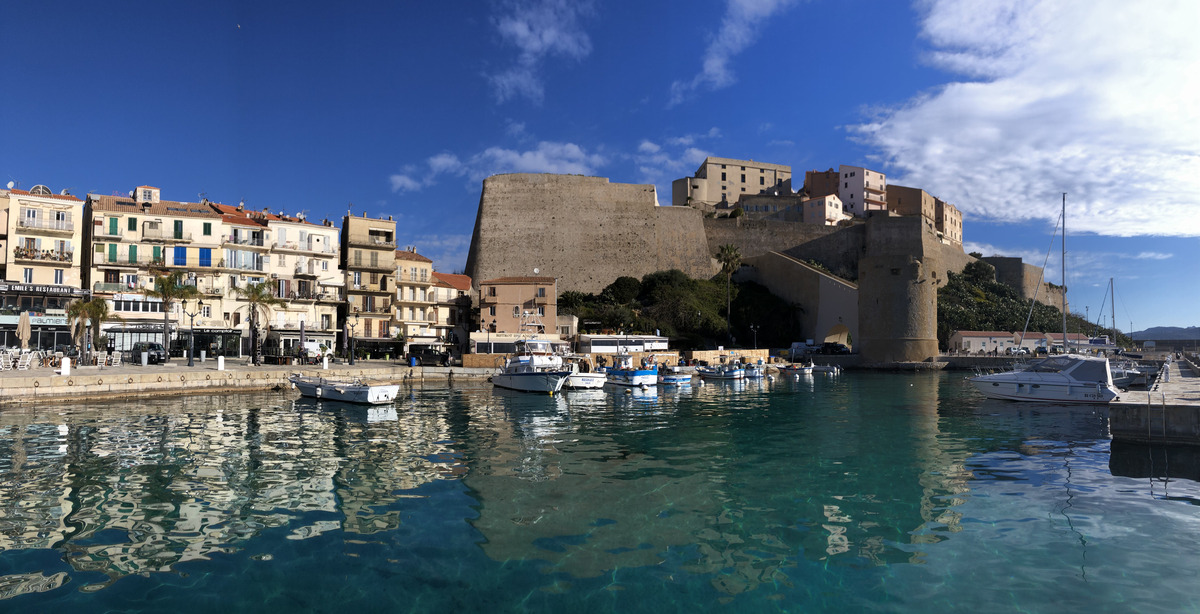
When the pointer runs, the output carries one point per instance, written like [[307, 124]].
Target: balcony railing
[[44, 255], [40, 224], [112, 288], [372, 242], [158, 234], [251, 241]]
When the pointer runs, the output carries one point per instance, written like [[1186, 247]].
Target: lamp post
[[490, 327], [754, 329], [352, 326], [192, 331]]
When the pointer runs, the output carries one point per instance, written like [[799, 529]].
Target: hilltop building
[[862, 190], [726, 181]]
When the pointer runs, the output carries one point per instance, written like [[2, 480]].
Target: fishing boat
[[582, 377], [754, 371], [834, 369], [730, 371], [534, 368], [1068, 378], [625, 373], [349, 391], [797, 369], [672, 375]]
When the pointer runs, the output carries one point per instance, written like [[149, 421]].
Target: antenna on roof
[[201, 195], [131, 193], [11, 184]]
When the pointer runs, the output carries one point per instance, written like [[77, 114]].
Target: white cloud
[[740, 28], [1153, 256], [448, 252], [660, 164], [547, 157], [538, 29], [404, 183], [1094, 98], [444, 163]]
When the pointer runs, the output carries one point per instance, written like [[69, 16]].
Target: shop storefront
[[47, 309]]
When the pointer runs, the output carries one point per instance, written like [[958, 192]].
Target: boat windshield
[[1050, 365]]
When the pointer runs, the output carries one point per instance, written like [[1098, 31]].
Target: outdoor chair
[[114, 360], [24, 361], [58, 356], [101, 358], [6, 362]]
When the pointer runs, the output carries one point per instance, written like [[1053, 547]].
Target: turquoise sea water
[[864, 492]]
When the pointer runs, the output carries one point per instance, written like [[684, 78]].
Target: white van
[[312, 349]]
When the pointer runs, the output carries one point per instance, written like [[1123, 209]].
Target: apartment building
[[725, 180], [415, 306], [368, 264], [135, 238], [862, 190], [453, 295], [41, 238], [519, 305], [903, 200], [299, 260]]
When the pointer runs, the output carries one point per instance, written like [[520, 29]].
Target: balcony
[[305, 248], [112, 288], [54, 227], [166, 236], [42, 255], [373, 242], [245, 241]]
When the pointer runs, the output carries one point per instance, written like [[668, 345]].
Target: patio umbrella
[[302, 335], [24, 330]]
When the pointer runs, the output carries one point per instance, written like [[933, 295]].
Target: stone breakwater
[[94, 383]]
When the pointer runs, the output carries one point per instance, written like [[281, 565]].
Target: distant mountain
[[1168, 333]]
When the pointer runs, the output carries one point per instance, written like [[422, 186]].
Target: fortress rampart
[[584, 231]]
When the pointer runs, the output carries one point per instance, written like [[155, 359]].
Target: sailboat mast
[[1066, 349], [1112, 289]]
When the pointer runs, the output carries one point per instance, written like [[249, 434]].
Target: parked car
[[429, 358], [155, 353], [830, 347], [1015, 351], [1041, 350]]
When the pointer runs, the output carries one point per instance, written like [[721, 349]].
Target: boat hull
[[722, 373], [633, 377], [1044, 392], [533, 381], [348, 392], [675, 379], [585, 381]]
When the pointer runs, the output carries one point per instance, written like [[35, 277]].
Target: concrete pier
[[39, 385], [1167, 413]]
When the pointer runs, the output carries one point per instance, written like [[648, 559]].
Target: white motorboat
[[674, 376], [1069, 378], [754, 371], [349, 391], [534, 369], [582, 377], [624, 373]]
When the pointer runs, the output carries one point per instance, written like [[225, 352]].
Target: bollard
[[203, 355], [220, 363], [325, 362], [145, 358], [66, 365]]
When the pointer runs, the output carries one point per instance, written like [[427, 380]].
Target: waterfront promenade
[[133, 380], [1167, 413]]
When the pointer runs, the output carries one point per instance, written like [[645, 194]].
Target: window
[[132, 224], [208, 229], [491, 310], [132, 254], [27, 276], [722, 176], [147, 195], [743, 177], [178, 229], [358, 257], [492, 292], [762, 181], [357, 278], [180, 258], [541, 292], [205, 257], [206, 311], [58, 277], [516, 311]]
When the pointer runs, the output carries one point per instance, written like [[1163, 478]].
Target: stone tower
[[898, 275]]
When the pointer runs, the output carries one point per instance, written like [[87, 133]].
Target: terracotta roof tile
[[20, 192], [403, 254], [453, 280], [984, 333], [124, 204]]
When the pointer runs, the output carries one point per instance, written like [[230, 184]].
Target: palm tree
[[259, 298], [731, 259], [82, 313], [169, 289]]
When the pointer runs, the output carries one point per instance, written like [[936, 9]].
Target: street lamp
[[192, 331], [352, 326], [754, 329], [490, 327]]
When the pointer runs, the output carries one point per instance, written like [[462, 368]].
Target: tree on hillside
[[170, 289], [622, 291], [731, 259]]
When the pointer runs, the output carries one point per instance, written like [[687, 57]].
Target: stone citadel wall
[[584, 231], [1026, 279]]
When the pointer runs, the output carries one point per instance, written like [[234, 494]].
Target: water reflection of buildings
[[619, 496], [141, 490]]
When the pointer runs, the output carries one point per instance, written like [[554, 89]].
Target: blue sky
[[402, 108]]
